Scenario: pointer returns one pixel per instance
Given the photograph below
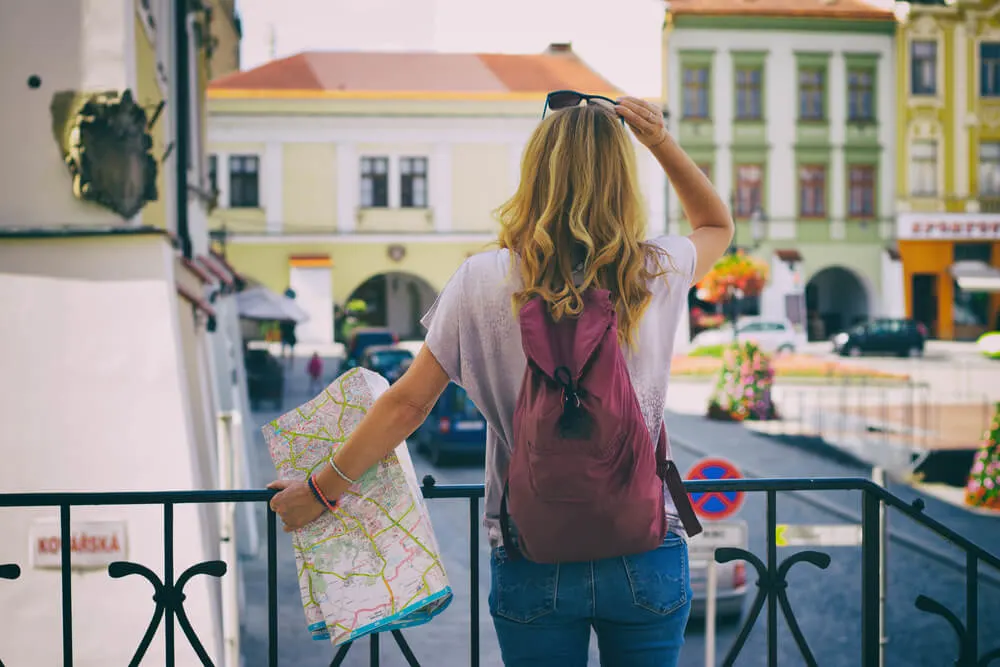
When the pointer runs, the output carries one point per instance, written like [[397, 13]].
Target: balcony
[[395, 220], [771, 600]]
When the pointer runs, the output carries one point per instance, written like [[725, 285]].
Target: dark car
[[902, 337], [265, 378], [454, 426], [361, 339], [388, 361]]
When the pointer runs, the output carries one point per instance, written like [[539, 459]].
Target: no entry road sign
[[716, 504]]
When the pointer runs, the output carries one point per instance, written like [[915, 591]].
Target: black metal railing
[[772, 574]]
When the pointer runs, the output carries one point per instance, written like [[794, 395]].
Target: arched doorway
[[395, 300], [836, 299]]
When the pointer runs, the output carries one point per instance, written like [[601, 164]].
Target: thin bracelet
[[320, 496], [340, 472], [665, 137]]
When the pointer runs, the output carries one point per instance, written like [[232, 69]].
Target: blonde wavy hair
[[578, 204]]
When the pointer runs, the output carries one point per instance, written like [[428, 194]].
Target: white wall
[[102, 405], [71, 46], [781, 106]]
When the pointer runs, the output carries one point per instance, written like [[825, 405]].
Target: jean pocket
[[659, 578], [521, 590]]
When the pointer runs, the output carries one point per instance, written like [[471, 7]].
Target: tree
[[983, 489]]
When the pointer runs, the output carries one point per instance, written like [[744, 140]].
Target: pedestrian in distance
[[562, 337], [315, 370], [288, 340]]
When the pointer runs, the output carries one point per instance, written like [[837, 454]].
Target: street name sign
[[93, 544], [831, 535]]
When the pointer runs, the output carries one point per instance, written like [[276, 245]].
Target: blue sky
[[618, 38]]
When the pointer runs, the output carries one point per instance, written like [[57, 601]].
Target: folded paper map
[[373, 565]]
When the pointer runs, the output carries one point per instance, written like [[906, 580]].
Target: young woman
[[575, 221]]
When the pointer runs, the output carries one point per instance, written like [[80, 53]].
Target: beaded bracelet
[[314, 487]]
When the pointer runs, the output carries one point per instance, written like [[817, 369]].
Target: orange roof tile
[[360, 71], [836, 9]]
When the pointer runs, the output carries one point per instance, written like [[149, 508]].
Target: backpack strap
[[667, 471]]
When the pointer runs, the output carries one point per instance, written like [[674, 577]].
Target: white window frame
[[426, 176], [992, 161], [931, 166], [388, 181]]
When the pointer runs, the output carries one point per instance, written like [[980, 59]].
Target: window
[[923, 168], [213, 172], [695, 92], [860, 95], [989, 69], [861, 191], [749, 189], [812, 191], [413, 182], [811, 83], [923, 68], [748, 93], [244, 181], [989, 169], [971, 308], [374, 182]]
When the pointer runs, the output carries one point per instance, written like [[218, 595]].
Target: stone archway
[[837, 298], [395, 300]]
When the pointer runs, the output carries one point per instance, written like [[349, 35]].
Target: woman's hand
[[295, 504], [645, 119]]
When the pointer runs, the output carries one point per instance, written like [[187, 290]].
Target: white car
[[772, 335]]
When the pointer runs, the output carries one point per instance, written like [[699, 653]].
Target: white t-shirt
[[474, 335]]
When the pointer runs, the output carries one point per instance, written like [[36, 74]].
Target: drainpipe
[[182, 117]]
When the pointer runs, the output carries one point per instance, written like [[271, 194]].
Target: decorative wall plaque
[[109, 154], [397, 252]]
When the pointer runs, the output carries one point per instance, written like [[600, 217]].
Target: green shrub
[[713, 351]]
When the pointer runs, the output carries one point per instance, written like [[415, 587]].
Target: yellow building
[[374, 175], [119, 323], [948, 166]]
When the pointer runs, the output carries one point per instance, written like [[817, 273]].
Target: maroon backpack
[[584, 482]]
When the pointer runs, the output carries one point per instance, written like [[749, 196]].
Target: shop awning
[[976, 276], [260, 303]]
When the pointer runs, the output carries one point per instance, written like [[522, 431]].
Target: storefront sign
[[948, 226], [93, 544]]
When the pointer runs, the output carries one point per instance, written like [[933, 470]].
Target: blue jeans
[[638, 606]]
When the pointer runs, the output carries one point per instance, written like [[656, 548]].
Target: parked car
[[265, 378], [730, 590], [363, 338], [903, 337], [389, 361], [454, 426], [772, 335]]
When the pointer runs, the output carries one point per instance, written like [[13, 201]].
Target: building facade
[[372, 176], [121, 324], [790, 112], [948, 186]]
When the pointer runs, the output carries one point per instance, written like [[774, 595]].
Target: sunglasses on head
[[565, 99]]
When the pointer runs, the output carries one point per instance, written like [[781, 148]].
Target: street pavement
[[827, 604]]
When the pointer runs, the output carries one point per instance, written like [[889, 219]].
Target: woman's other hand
[[645, 119], [294, 503]]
